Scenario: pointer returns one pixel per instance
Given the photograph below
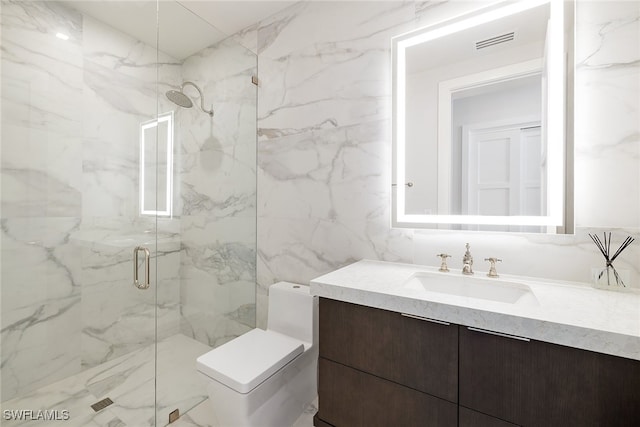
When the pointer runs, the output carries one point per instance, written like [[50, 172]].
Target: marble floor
[[128, 381], [203, 416]]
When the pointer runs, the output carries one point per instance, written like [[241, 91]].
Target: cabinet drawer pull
[[413, 316], [500, 334]]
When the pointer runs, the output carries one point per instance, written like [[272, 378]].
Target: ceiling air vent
[[503, 38]]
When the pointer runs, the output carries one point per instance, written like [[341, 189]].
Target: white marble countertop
[[567, 313]]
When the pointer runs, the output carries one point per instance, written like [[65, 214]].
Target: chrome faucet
[[467, 260]]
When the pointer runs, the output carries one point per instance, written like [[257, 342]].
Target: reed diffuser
[[605, 248]]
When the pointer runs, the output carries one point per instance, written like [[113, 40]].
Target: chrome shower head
[[179, 98]]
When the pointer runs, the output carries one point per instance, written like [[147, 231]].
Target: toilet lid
[[245, 362]]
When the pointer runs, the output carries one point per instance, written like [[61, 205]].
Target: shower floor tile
[[203, 416], [127, 380]]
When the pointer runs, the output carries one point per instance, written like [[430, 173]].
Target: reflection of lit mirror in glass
[[479, 120], [156, 166]]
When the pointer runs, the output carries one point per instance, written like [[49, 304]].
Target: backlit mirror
[[482, 129], [156, 166]]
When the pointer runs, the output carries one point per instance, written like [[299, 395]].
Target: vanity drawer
[[533, 383], [417, 353], [351, 398]]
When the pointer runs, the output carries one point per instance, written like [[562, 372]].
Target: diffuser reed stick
[[605, 249]]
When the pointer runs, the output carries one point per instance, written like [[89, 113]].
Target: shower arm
[[204, 110]]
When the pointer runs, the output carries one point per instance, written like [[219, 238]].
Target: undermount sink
[[472, 287]]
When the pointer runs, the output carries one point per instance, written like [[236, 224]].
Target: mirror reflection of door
[[501, 170], [492, 110]]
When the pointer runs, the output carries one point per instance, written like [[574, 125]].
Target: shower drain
[[100, 405]]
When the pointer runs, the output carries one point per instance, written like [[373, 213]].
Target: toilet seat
[[245, 362]]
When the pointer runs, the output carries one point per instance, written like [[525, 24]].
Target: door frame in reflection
[[446, 91]]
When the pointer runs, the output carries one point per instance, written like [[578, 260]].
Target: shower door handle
[[136, 282]]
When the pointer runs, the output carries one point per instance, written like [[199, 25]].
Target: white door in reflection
[[502, 171]]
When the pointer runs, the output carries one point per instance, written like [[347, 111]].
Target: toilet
[[266, 378]]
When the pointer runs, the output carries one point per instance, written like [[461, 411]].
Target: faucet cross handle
[[492, 268], [443, 265]]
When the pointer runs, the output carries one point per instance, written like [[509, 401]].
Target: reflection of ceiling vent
[[503, 38]]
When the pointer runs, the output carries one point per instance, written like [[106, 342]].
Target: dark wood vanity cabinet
[[533, 383], [380, 368]]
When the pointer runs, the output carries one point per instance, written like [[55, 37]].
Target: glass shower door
[[78, 338], [98, 168]]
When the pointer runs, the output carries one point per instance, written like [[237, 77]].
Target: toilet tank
[[293, 311]]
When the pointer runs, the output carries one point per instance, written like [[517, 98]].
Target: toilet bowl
[[266, 378]]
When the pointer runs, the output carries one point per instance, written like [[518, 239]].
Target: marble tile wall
[[41, 194], [324, 150], [217, 204]]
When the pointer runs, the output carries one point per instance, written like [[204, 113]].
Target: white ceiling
[[185, 27], [232, 16], [530, 27]]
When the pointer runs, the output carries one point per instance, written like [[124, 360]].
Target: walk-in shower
[[81, 115], [179, 98]]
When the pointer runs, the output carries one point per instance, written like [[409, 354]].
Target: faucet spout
[[467, 261]]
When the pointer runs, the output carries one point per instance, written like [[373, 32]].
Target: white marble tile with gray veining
[[40, 344], [217, 277], [332, 174], [40, 332], [294, 250], [118, 317], [221, 248], [608, 149], [217, 196], [41, 94], [128, 381], [119, 94], [325, 65], [315, 190], [41, 172], [204, 416], [217, 167]]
